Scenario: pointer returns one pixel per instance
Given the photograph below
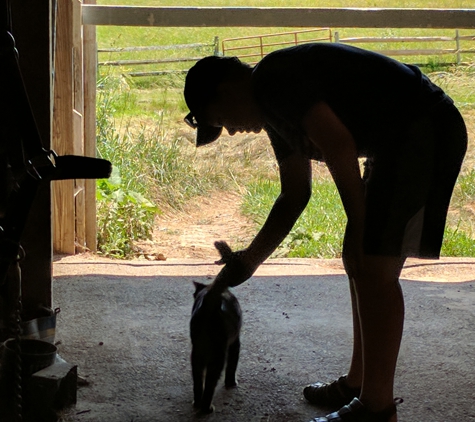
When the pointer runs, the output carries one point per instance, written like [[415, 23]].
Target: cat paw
[[208, 410], [203, 409]]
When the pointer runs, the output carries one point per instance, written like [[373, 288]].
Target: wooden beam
[[277, 17], [78, 124], [63, 191], [90, 71]]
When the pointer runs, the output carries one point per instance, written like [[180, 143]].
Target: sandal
[[356, 412], [332, 395]]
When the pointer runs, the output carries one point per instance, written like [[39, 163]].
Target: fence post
[[90, 77], [216, 46], [457, 45], [64, 232], [337, 36]]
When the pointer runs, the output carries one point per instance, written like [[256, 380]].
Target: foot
[[356, 412], [332, 395], [203, 409], [230, 384]]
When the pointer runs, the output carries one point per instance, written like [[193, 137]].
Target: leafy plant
[[123, 216], [457, 243]]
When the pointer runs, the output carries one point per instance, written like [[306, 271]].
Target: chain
[[15, 326], [17, 379]]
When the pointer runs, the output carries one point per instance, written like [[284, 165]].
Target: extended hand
[[225, 251], [235, 271]]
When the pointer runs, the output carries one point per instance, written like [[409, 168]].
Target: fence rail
[[457, 51], [212, 47], [158, 47], [279, 17], [257, 46], [264, 44]]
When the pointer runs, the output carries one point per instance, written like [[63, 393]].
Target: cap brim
[[207, 134]]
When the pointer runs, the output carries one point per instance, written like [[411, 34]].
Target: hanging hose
[[17, 378]]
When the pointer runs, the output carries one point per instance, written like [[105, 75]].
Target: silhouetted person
[[336, 103]]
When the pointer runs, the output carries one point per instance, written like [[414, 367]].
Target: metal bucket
[[35, 355]]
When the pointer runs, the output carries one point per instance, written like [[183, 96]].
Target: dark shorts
[[408, 191]]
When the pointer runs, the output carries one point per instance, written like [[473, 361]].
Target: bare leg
[[355, 373], [381, 314], [378, 317]]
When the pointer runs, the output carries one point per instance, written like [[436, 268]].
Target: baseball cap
[[201, 85]]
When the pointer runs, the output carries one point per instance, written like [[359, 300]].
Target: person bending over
[[336, 103]]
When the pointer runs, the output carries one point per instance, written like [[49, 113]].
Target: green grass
[[157, 167], [318, 232]]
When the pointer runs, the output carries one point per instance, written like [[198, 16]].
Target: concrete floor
[[127, 330]]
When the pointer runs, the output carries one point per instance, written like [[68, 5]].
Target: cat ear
[[198, 286]]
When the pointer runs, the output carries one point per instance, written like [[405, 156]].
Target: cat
[[215, 327]]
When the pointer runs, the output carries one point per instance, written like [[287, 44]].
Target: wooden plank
[[395, 39], [148, 61], [78, 124], [63, 191], [278, 17], [77, 136], [90, 75], [417, 52], [157, 73], [77, 56], [150, 48]]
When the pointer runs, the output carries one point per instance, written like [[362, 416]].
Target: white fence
[[255, 47], [461, 45], [140, 63], [285, 17]]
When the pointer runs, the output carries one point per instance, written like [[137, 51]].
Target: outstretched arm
[[296, 186]]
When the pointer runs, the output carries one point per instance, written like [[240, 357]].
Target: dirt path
[[192, 232]]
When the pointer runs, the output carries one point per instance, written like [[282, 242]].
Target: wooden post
[[457, 45], [78, 124], [63, 191], [90, 75]]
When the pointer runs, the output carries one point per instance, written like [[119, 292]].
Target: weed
[[124, 216], [458, 243]]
